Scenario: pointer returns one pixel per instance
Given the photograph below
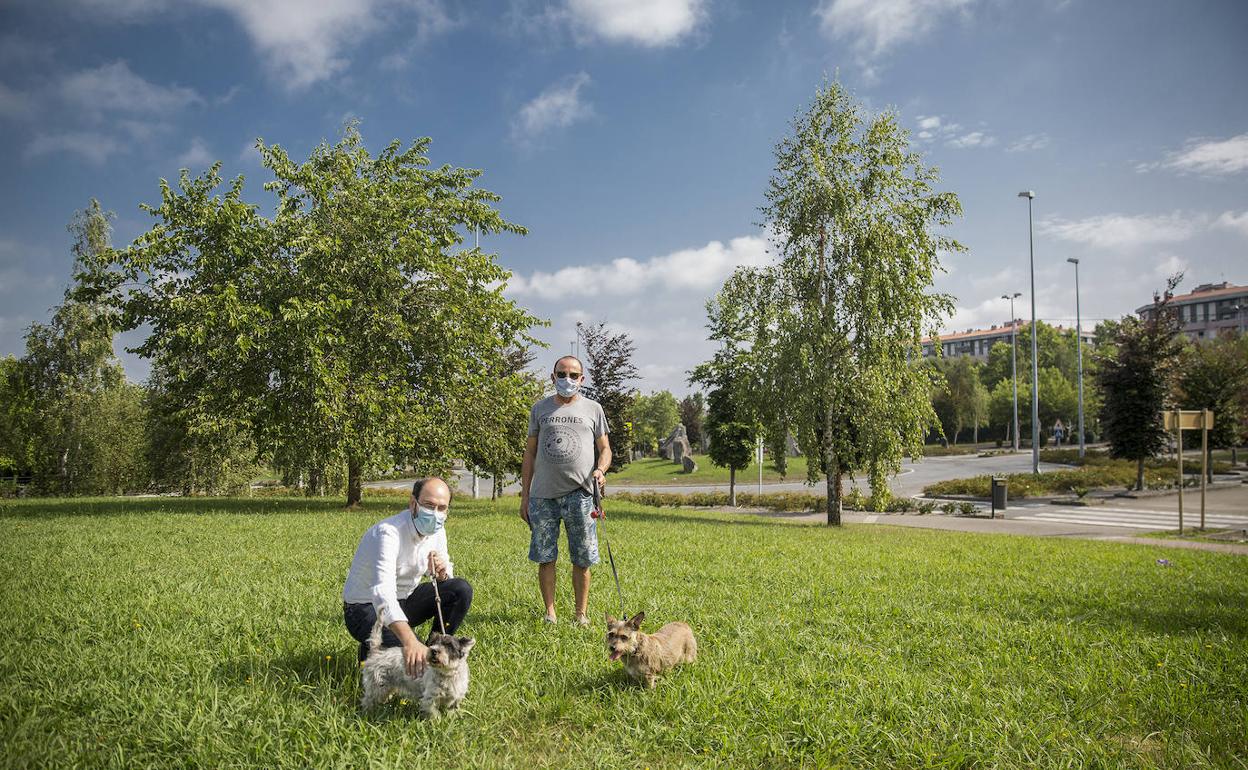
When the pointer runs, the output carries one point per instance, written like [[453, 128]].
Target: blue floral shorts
[[573, 510]]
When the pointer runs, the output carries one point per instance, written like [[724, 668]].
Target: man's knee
[[457, 589]]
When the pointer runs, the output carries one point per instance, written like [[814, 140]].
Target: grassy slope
[[208, 633]]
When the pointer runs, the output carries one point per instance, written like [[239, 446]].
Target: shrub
[[967, 508]]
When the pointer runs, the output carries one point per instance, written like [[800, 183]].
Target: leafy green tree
[[190, 451], [834, 329], [963, 400], [653, 417], [730, 421], [502, 418], [351, 328], [1214, 375], [610, 368], [1056, 349], [16, 418], [71, 375], [1059, 399], [692, 416], [1136, 382]]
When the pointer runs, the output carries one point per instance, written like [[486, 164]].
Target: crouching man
[[388, 571]]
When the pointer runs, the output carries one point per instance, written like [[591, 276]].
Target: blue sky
[[635, 139]]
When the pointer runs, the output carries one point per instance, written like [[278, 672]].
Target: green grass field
[[208, 633]]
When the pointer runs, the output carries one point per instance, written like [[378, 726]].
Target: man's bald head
[[432, 493]]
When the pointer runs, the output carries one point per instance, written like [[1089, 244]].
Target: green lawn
[[207, 633], [656, 470]]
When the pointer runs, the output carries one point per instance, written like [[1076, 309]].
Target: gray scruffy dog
[[440, 688]]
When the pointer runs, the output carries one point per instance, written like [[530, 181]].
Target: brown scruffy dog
[[648, 655]]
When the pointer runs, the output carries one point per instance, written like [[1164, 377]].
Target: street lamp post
[[1014, 359], [1035, 371], [1079, 347]]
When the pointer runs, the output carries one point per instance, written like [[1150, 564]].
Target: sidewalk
[[1007, 527]]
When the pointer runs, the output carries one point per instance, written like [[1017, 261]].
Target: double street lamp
[[1014, 359], [1079, 346], [1035, 372]]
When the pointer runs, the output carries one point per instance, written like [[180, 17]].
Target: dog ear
[[635, 621], [465, 644], [611, 621]]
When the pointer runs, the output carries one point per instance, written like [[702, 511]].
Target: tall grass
[[208, 633]]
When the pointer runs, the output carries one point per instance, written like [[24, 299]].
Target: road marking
[[1052, 518], [1142, 516]]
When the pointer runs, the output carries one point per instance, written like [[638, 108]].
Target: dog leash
[[437, 598], [601, 516]]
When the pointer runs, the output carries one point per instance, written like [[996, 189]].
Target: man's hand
[[601, 478], [414, 656], [437, 568], [524, 509]]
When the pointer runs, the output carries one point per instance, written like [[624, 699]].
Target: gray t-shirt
[[565, 445]]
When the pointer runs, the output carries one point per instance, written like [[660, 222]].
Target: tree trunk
[[976, 438], [732, 486], [1139, 474], [834, 481], [355, 486]]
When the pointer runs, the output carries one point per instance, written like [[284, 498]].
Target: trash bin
[[1000, 490]]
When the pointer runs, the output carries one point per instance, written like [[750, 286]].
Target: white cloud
[[1120, 231], [1211, 157], [1029, 143], [1232, 221], [936, 128], [700, 269], [559, 106], [875, 26], [94, 147], [650, 23], [197, 156], [972, 139], [1168, 266], [301, 42], [659, 301], [113, 87]]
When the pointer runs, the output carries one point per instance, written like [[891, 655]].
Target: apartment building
[[977, 343], [1209, 310]]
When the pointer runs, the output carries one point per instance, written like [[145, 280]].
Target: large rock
[[676, 446], [689, 464]]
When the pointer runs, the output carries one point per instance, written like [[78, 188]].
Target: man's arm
[[385, 569], [526, 475], [603, 445]]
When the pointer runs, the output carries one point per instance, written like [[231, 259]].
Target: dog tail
[[374, 638]]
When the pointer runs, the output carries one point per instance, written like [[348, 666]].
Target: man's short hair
[[564, 358], [419, 485]]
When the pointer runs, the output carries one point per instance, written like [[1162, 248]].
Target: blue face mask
[[567, 387], [427, 521]]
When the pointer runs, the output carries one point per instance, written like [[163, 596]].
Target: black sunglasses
[[568, 375]]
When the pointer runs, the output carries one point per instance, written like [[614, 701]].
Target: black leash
[[601, 516]]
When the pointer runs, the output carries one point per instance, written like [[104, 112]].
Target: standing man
[[388, 571], [566, 454]]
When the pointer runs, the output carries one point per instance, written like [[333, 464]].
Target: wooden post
[[1178, 432], [1204, 461]]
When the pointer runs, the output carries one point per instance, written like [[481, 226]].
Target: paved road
[[913, 477]]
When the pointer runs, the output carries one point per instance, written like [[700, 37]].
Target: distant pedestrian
[[1059, 432]]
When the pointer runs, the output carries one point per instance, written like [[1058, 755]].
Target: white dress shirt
[[390, 561]]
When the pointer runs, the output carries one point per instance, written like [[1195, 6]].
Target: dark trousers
[[419, 606]]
